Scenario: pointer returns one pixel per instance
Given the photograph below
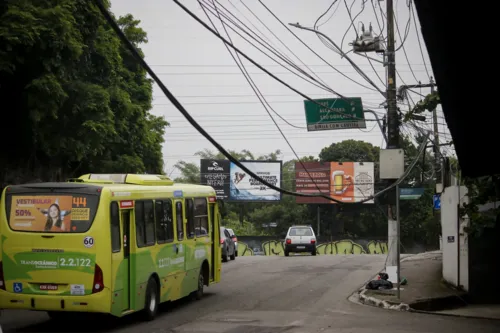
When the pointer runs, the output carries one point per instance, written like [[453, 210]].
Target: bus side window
[[149, 222], [201, 217], [164, 221], [178, 213], [139, 224], [115, 228], [190, 218]]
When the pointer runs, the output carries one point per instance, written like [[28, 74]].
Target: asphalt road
[[271, 295]]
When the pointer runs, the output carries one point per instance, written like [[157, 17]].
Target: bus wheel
[[152, 300], [201, 281]]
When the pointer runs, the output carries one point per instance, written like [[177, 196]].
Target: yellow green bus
[[107, 243]]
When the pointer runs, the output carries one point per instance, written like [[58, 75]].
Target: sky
[[198, 69]]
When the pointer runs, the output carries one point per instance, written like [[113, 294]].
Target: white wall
[[454, 237]]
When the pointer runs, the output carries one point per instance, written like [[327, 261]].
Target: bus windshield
[[51, 212]]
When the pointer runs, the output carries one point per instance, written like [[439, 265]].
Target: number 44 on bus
[[107, 243]]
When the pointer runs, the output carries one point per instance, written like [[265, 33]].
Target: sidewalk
[[425, 291]]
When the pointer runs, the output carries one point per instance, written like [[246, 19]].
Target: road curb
[[359, 297], [373, 301], [453, 315]]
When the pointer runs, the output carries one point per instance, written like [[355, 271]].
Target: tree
[[190, 172], [79, 101], [350, 151], [481, 192]]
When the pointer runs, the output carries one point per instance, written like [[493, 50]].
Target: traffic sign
[[334, 113], [410, 193], [437, 201]]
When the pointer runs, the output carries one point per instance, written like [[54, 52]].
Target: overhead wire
[[256, 28], [381, 27], [268, 47], [300, 60], [200, 129], [326, 11], [247, 76], [418, 39], [316, 27], [310, 49], [407, 29], [196, 18], [407, 32], [353, 24]]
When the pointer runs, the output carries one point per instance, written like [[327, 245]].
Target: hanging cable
[[353, 24], [419, 43], [190, 13], [272, 33], [271, 49], [310, 49]]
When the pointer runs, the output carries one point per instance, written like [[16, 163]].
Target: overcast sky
[[197, 68]]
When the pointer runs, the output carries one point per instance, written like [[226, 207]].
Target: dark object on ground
[[379, 284], [383, 276]]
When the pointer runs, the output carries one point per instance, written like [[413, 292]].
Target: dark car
[[227, 245], [234, 238]]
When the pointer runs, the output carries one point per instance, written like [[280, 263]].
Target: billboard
[[215, 173], [344, 181], [317, 173], [232, 183]]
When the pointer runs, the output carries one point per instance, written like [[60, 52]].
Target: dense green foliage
[[362, 220], [77, 101], [481, 191]]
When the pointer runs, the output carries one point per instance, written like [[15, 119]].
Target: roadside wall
[[269, 245]]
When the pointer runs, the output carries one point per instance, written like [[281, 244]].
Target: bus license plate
[[301, 247], [48, 287]]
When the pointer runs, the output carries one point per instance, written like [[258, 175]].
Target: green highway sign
[[334, 113], [410, 193]]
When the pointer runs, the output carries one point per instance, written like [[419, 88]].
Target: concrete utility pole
[[437, 154], [393, 135], [438, 165]]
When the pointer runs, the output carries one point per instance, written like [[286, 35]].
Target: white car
[[300, 238]]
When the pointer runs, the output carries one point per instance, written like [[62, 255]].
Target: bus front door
[[125, 217], [214, 241]]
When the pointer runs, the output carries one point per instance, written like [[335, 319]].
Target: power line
[[252, 95], [407, 29], [418, 39], [252, 84], [353, 24], [310, 49], [316, 26], [268, 47], [194, 16], [258, 73], [240, 103], [281, 41], [407, 32], [266, 65]]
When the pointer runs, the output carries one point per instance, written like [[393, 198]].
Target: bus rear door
[[120, 236]]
